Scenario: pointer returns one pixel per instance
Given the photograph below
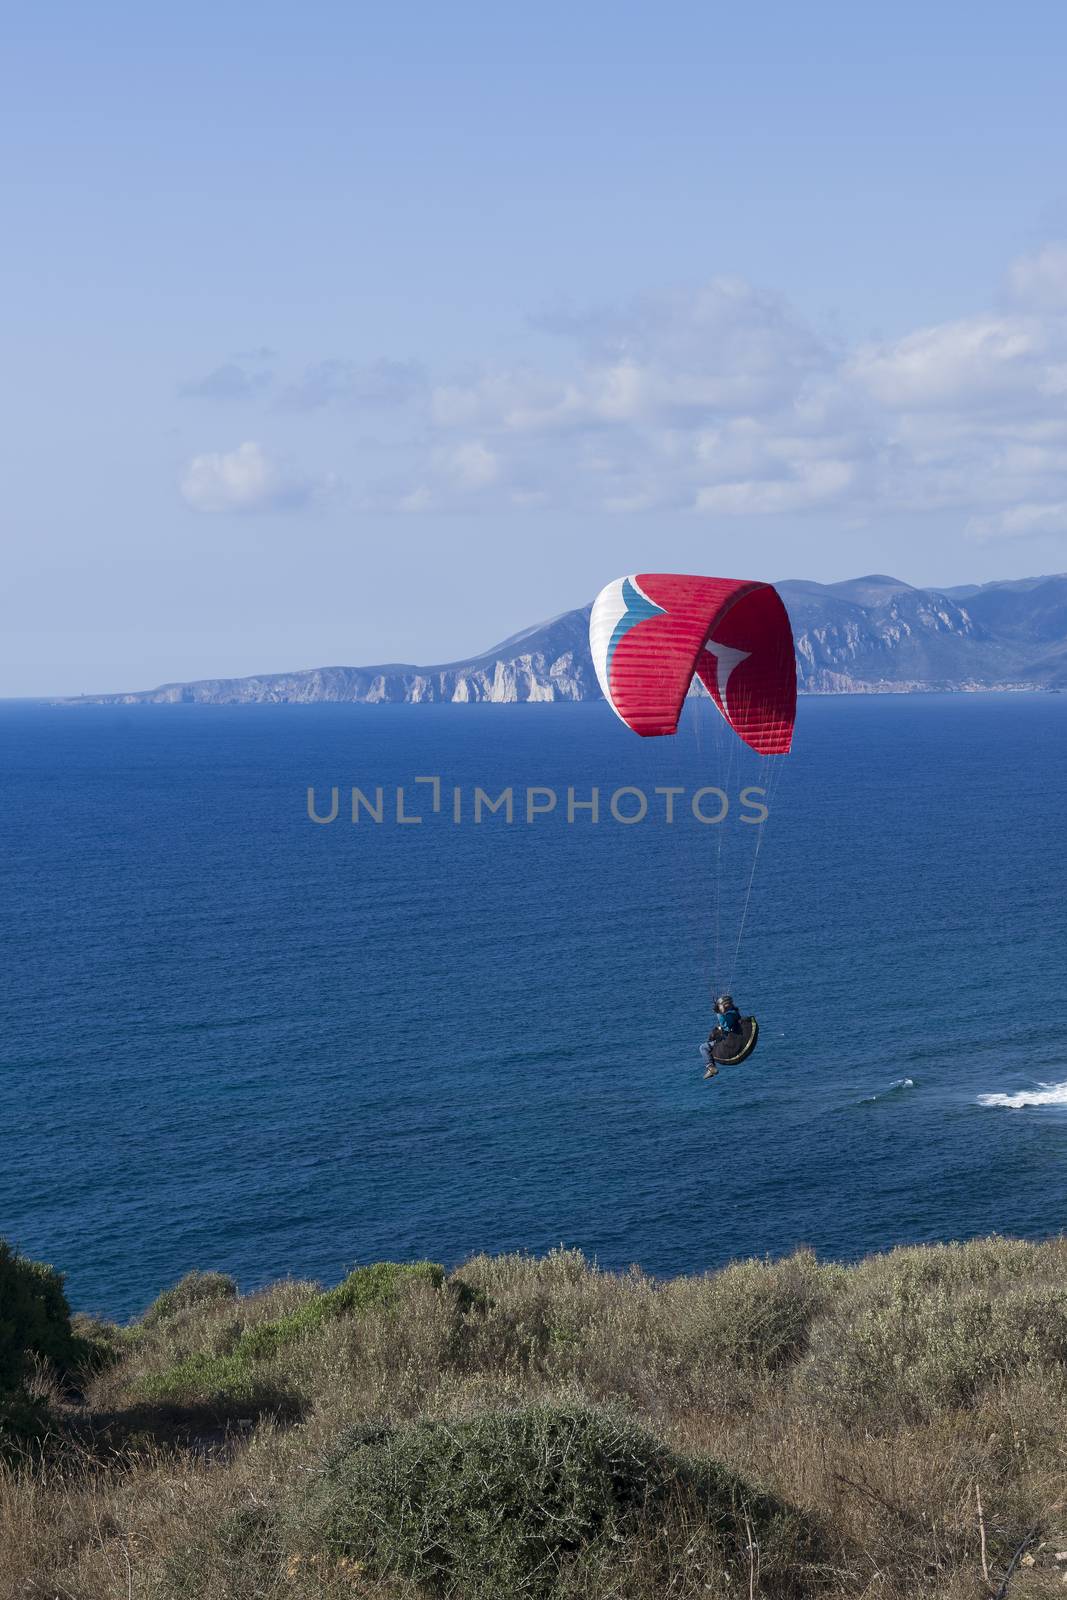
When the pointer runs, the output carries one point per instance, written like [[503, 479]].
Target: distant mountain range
[[866, 635]]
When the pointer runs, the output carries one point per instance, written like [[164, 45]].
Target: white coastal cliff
[[868, 635]]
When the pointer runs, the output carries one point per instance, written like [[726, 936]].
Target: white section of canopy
[[726, 659], [609, 608]]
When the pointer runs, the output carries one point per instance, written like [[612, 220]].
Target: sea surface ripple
[[232, 1038]]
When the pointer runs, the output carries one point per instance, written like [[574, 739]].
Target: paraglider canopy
[[652, 633]]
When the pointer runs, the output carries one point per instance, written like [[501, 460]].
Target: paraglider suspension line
[[771, 788], [744, 909]]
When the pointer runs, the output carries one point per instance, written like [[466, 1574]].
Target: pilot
[[727, 1020]]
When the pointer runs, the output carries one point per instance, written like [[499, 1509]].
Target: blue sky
[[341, 333]]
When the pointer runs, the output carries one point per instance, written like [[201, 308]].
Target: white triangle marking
[[726, 659]]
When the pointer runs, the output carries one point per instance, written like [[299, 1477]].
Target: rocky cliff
[[866, 635]]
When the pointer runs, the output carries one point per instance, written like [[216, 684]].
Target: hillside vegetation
[[538, 1428]]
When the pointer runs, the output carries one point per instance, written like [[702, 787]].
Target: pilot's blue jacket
[[728, 1020]]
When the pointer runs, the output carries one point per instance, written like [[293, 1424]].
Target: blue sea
[[234, 1038]]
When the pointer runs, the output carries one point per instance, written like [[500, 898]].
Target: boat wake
[[1046, 1094]]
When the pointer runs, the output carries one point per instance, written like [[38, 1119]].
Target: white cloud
[[472, 465], [723, 348], [807, 484], [1039, 281], [721, 401], [462, 468], [1021, 522], [974, 363], [416, 500], [245, 480]]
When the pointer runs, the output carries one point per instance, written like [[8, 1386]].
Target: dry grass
[[911, 1411]]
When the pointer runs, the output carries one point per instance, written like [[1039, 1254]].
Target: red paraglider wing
[[749, 668], [650, 634]]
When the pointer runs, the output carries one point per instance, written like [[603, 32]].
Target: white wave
[[1046, 1094], [898, 1083]]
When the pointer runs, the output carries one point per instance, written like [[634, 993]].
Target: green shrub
[[34, 1318], [101, 1343], [625, 1336], [221, 1384], [468, 1297], [230, 1375], [906, 1353], [382, 1284], [555, 1314], [503, 1502], [195, 1289], [754, 1315], [365, 1289], [34, 1323], [914, 1270]]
